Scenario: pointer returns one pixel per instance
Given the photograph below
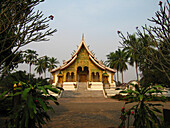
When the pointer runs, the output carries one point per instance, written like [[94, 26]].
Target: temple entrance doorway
[[83, 78], [82, 74]]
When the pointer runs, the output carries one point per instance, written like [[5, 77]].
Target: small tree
[[132, 48], [30, 58], [160, 36], [31, 112], [120, 62], [20, 25], [145, 113], [39, 66], [52, 64], [155, 41], [110, 62], [45, 64]]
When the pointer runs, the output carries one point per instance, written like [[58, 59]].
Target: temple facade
[[83, 67]]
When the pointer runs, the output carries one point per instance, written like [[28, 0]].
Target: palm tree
[[52, 64], [110, 59], [39, 66], [120, 62], [45, 64], [133, 48], [30, 58]]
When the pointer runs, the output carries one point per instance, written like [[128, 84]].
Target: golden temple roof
[[91, 56]]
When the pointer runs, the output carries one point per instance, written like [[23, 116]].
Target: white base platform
[[69, 86], [95, 86]]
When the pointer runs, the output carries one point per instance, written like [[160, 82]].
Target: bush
[[119, 97], [7, 82], [30, 104], [145, 113]]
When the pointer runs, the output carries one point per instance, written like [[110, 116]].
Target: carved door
[[83, 78]]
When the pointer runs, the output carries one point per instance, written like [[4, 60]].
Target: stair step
[[82, 92]]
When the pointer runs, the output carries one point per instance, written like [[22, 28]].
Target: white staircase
[[82, 92]]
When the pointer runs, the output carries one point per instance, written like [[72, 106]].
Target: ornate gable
[[83, 57]]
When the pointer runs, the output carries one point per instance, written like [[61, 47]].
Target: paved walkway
[[87, 113]]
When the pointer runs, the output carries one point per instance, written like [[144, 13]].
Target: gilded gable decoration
[[83, 67]]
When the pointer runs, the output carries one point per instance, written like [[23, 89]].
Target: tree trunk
[[117, 76], [45, 74], [29, 71], [51, 77], [50, 74], [44, 71], [137, 72], [122, 77]]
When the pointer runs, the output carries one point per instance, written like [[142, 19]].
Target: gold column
[[75, 72], [100, 76], [53, 77], [111, 77], [89, 73], [75, 75], [64, 76]]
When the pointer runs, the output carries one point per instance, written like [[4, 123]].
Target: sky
[[99, 20]]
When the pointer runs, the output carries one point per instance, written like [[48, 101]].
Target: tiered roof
[[91, 56]]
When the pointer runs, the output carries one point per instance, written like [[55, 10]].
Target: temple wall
[[55, 78], [82, 65], [82, 61]]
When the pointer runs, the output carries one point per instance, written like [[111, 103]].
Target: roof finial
[[83, 37]]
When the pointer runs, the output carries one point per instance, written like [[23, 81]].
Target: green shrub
[[119, 97], [31, 103], [145, 113]]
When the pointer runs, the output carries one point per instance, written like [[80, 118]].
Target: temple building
[[83, 67]]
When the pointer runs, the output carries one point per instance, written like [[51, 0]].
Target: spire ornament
[[83, 37]]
